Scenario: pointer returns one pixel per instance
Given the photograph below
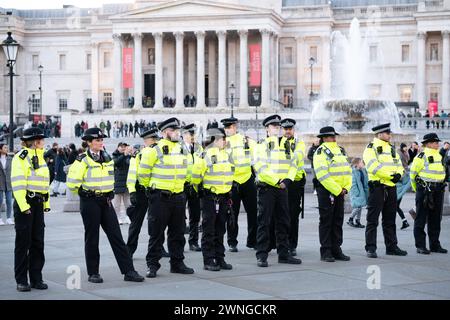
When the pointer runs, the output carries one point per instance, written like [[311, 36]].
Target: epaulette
[[319, 150], [342, 150], [23, 154], [370, 145], [140, 156], [81, 156], [420, 155]]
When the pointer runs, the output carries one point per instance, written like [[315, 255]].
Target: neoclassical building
[[240, 52]]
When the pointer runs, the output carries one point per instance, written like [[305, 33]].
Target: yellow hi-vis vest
[[332, 168], [380, 163], [298, 147], [274, 163], [24, 177], [91, 175], [164, 167], [242, 150], [428, 166], [133, 169], [215, 169], [198, 150]]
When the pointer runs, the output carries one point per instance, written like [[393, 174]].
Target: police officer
[[92, 176], [427, 179], [385, 170], [193, 150], [241, 149], [30, 182], [138, 198], [163, 171], [334, 177], [214, 171], [275, 168], [296, 190]]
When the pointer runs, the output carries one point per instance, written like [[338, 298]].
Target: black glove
[[286, 182], [396, 177], [133, 199]]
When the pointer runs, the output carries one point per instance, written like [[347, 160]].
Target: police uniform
[[296, 190], [214, 173], [275, 168], [385, 170], [427, 180], [30, 182], [92, 177], [162, 171], [242, 149], [334, 176], [193, 152], [138, 198]]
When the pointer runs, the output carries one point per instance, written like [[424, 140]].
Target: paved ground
[[411, 277]]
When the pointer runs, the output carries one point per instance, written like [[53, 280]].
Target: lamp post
[[255, 95], [231, 90], [312, 62], [30, 103], [10, 47], [40, 69]]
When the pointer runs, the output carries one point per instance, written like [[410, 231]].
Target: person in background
[[121, 158], [359, 192], [60, 175], [5, 183], [444, 150], [404, 184], [310, 156], [50, 158], [73, 153], [413, 151]]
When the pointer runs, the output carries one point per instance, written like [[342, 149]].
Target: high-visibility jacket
[[215, 169], [274, 163], [91, 175], [192, 156], [298, 147], [164, 167], [242, 150], [133, 169], [25, 178], [382, 162], [428, 166], [332, 168]]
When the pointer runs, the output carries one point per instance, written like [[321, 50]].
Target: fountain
[[349, 111]]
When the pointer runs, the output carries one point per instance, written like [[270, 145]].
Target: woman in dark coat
[[60, 175]]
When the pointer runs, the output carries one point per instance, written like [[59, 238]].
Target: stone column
[[94, 76], [117, 67], [445, 105], [137, 70], [158, 36], [222, 36], [200, 69], [277, 67], [421, 82], [300, 58], [192, 83], [179, 88], [265, 68], [243, 82], [326, 66], [212, 72]]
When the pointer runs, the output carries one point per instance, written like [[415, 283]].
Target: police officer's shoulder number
[[420, 155], [81, 157], [370, 145], [23, 154]]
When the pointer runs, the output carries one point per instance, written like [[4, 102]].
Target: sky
[[56, 4]]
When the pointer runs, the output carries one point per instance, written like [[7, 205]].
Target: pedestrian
[[30, 179], [92, 177], [73, 153], [385, 170], [359, 192], [5, 183], [213, 174], [310, 156], [60, 175], [108, 128], [121, 157], [50, 158], [404, 184], [413, 151]]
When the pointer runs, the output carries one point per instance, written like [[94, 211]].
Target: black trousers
[[331, 212], [29, 247], [382, 199], [98, 212], [137, 216], [296, 192], [246, 193], [272, 205], [193, 202], [213, 225], [400, 212], [431, 217], [166, 211]]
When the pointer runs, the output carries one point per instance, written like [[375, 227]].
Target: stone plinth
[[72, 203]]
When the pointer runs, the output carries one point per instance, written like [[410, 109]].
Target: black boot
[[350, 222], [359, 225], [40, 285], [133, 276], [405, 225], [181, 268]]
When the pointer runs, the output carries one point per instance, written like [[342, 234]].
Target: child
[[359, 192]]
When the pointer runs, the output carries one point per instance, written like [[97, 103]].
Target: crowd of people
[[440, 120], [117, 128]]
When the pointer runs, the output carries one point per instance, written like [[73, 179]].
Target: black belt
[[168, 194], [41, 197], [265, 185], [378, 184], [95, 194], [217, 195], [432, 185], [140, 187]]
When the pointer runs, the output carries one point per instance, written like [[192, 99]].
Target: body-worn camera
[[35, 162]]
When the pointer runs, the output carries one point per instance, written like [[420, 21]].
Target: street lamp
[[255, 94], [30, 103], [40, 69], [312, 62], [231, 90], [10, 47]]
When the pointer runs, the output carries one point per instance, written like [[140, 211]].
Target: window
[[88, 104], [88, 61], [374, 91], [35, 104], [405, 93], [288, 55], [434, 52], [107, 100], [405, 53], [288, 98], [35, 61], [151, 55], [434, 94], [62, 62], [62, 103], [373, 53], [106, 59], [313, 52]]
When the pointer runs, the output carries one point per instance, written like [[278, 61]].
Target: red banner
[[255, 65], [127, 68], [432, 108]]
